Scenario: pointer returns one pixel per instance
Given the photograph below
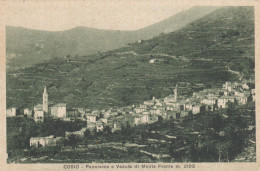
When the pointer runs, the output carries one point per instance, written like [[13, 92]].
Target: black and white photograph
[[130, 83]]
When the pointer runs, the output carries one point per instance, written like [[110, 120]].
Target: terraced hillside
[[216, 48], [227, 35]]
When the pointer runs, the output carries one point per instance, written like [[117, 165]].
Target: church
[[41, 110]]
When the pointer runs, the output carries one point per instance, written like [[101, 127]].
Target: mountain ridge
[[26, 47]]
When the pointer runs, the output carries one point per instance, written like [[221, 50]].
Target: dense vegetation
[[214, 49]]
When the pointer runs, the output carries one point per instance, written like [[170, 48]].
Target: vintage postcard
[[111, 85]]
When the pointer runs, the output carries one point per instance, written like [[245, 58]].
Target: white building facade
[[44, 141], [38, 116], [11, 112], [58, 110]]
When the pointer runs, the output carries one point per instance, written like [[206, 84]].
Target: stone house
[[116, 127], [253, 94], [44, 141], [91, 126], [196, 109], [184, 113], [58, 110], [38, 116], [28, 112], [73, 113], [139, 110], [241, 98], [79, 134], [99, 126], [222, 101], [11, 112], [91, 118], [145, 118], [37, 107], [149, 102]]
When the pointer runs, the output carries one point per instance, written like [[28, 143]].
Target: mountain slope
[[26, 47], [226, 35], [209, 51]]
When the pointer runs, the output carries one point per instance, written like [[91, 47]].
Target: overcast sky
[[119, 15]]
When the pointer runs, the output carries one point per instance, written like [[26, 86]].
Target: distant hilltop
[[26, 47]]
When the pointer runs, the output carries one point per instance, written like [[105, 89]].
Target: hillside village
[[183, 96], [174, 106]]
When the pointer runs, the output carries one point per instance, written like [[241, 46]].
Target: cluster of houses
[[171, 106]]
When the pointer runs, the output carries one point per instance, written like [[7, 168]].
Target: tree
[[193, 153], [87, 133], [216, 122], [231, 108], [72, 141], [160, 119], [223, 148], [220, 149], [171, 149], [123, 142], [126, 131], [239, 123], [107, 130], [250, 98], [59, 144]]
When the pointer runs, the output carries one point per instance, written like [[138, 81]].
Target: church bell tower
[[175, 93], [45, 101]]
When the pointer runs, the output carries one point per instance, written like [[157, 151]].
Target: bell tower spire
[[45, 101], [176, 93]]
